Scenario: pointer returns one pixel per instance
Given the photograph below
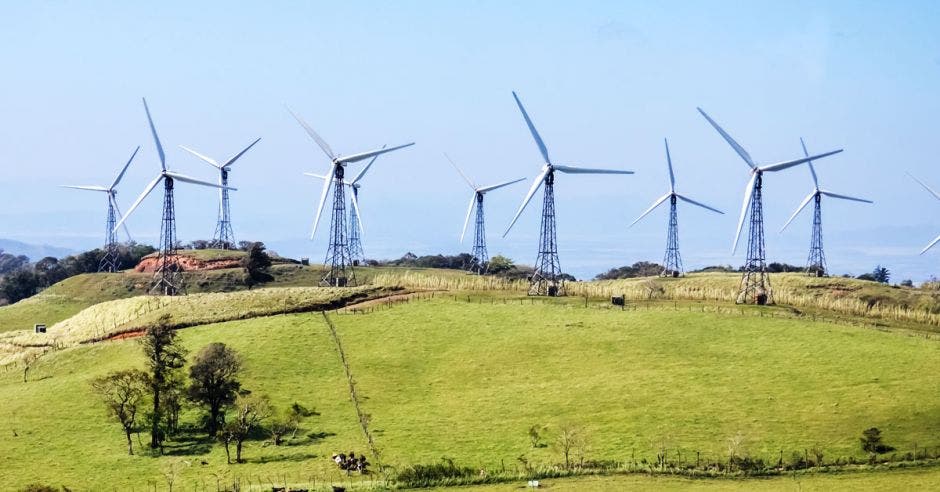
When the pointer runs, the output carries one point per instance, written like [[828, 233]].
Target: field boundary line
[[353, 393]]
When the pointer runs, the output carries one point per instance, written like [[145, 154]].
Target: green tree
[[122, 393], [500, 263], [214, 382], [250, 413], [165, 356], [256, 265], [881, 274]]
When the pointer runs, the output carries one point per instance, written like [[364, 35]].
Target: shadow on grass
[[292, 457], [188, 442]]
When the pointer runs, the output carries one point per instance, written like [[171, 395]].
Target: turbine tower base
[[816, 262], [338, 257], [168, 276], [548, 280], [755, 282]]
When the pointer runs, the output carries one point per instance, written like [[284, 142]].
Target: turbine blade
[[325, 147], [528, 197], [500, 185], [655, 204], [532, 130], [326, 189], [212, 162], [365, 155], [140, 198], [672, 176], [462, 175], [812, 170], [187, 179], [89, 188], [473, 201], [156, 139], [586, 170], [799, 209], [844, 197], [120, 214], [364, 169], [355, 203], [737, 147], [929, 189], [747, 201], [795, 162], [932, 243], [693, 202], [318, 176], [124, 170], [236, 156]]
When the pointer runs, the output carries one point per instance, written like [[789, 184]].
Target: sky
[[604, 82]]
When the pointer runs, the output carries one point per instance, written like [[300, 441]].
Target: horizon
[[604, 86]]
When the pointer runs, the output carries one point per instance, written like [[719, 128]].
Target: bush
[[871, 442], [429, 475]]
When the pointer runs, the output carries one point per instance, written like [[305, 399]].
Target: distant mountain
[[33, 251]]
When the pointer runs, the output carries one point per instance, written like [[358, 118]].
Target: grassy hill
[[445, 377]]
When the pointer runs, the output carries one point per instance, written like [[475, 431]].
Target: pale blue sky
[[604, 82]]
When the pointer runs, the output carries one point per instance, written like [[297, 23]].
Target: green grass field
[[444, 378]]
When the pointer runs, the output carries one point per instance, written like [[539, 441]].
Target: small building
[[39, 328]]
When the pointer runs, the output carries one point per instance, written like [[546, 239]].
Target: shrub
[[428, 475], [871, 442]]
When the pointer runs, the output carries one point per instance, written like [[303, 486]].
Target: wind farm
[[604, 337]]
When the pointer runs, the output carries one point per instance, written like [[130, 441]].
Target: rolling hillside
[[466, 377]]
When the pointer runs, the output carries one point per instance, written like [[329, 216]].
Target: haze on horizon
[[605, 83]]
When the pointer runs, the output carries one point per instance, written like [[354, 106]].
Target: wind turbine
[[672, 261], [356, 254], [167, 279], [223, 237], [755, 283], [935, 195], [337, 254], [110, 261], [480, 260], [816, 262], [547, 279]]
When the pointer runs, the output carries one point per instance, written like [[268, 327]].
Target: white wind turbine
[[547, 277], [109, 262], [166, 280], [672, 261], [755, 285], [338, 256], [355, 216], [224, 237], [479, 253], [816, 261]]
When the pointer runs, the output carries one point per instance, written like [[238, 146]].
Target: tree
[[213, 382], [122, 393], [499, 264], [881, 274], [570, 438], [256, 265], [164, 355], [288, 422], [18, 285], [48, 271], [251, 411], [871, 442]]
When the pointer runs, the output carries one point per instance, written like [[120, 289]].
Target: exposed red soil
[[129, 334], [188, 264]]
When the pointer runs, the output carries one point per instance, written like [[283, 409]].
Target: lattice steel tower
[[481, 259], [168, 276], [672, 261], [755, 282], [547, 279], [356, 254], [110, 261], [816, 263], [224, 237], [338, 258]]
